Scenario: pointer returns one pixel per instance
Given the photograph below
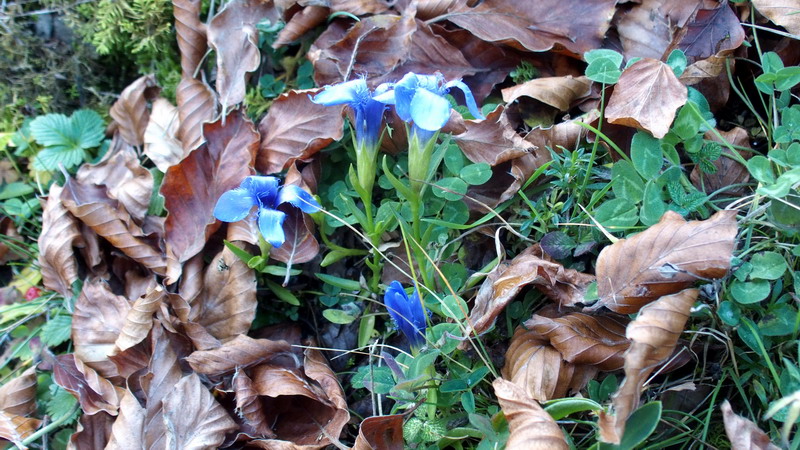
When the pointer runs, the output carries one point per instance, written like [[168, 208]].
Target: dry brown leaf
[[124, 179], [530, 426], [709, 32], [743, 433], [646, 30], [359, 7], [90, 203], [95, 394], [583, 339], [249, 407], [380, 432], [558, 92], [194, 419], [646, 97], [139, 319], [492, 141], [96, 323], [540, 26], [16, 428], [130, 110], [300, 24], [233, 35], [59, 234], [18, 396], [240, 352], [191, 33], [729, 171], [127, 433], [532, 266], [540, 370], [197, 105], [160, 380], [782, 12], [296, 128], [8, 229], [664, 259], [161, 142], [192, 187], [93, 432], [653, 334]]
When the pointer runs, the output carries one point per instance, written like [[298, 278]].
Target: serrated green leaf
[[61, 403], [57, 330]]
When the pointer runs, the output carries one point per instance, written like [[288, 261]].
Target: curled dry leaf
[[124, 179], [139, 319], [296, 128], [532, 266], [130, 110], [250, 407], [492, 141], [233, 35], [744, 434], [664, 259], [94, 431], [160, 379], [583, 339], [96, 323], [197, 105], [300, 24], [16, 428], [90, 203], [781, 12], [94, 393], [59, 234], [653, 334], [530, 426], [380, 432], [192, 187], [728, 170], [359, 7], [18, 396], [127, 432], [191, 33], [558, 92], [194, 419], [161, 142], [646, 97], [709, 32], [540, 370], [240, 352], [646, 29]]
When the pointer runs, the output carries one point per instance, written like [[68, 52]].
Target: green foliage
[[66, 140], [603, 65], [524, 72]]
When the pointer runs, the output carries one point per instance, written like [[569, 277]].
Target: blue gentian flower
[[407, 313], [368, 112], [264, 193], [420, 99]]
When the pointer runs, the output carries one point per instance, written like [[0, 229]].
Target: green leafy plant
[[66, 140]]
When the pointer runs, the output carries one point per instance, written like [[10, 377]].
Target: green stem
[[433, 394], [596, 144], [50, 427]]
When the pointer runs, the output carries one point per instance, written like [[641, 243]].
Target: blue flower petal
[[407, 313], [429, 111], [386, 97], [339, 94], [296, 196], [270, 222], [265, 189], [234, 205], [473, 107]]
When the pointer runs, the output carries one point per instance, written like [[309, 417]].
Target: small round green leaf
[[338, 316], [476, 174], [450, 188], [749, 291], [767, 266]]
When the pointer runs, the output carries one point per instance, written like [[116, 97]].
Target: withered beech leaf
[[59, 234], [227, 305], [530, 426], [540, 370], [18, 396], [743, 433], [194, 419], [708, 33], [296, 128], [127, 433], [646, 29], [428, 9], [96, 323], [191, 33], [492, 141], [192, 187], [383, 432], [130, 110], [161, 142], [359, 7], [781, 12], [139, 319], [728, 170], [664, 259], [93, 431], [240, 352], [653, 334], [90, 203], [124, 179], [584, 339], [300, 23], [646, 97], [197, 105], [300, 245], [67, 375], [17, 428], [539, 26], [532, 266], [558, 92], [233, 35], [249, 406], [159, 381]]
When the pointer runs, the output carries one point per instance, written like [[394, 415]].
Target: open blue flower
[[264, 193], [420, 99], [407, 313], [368, 112]]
